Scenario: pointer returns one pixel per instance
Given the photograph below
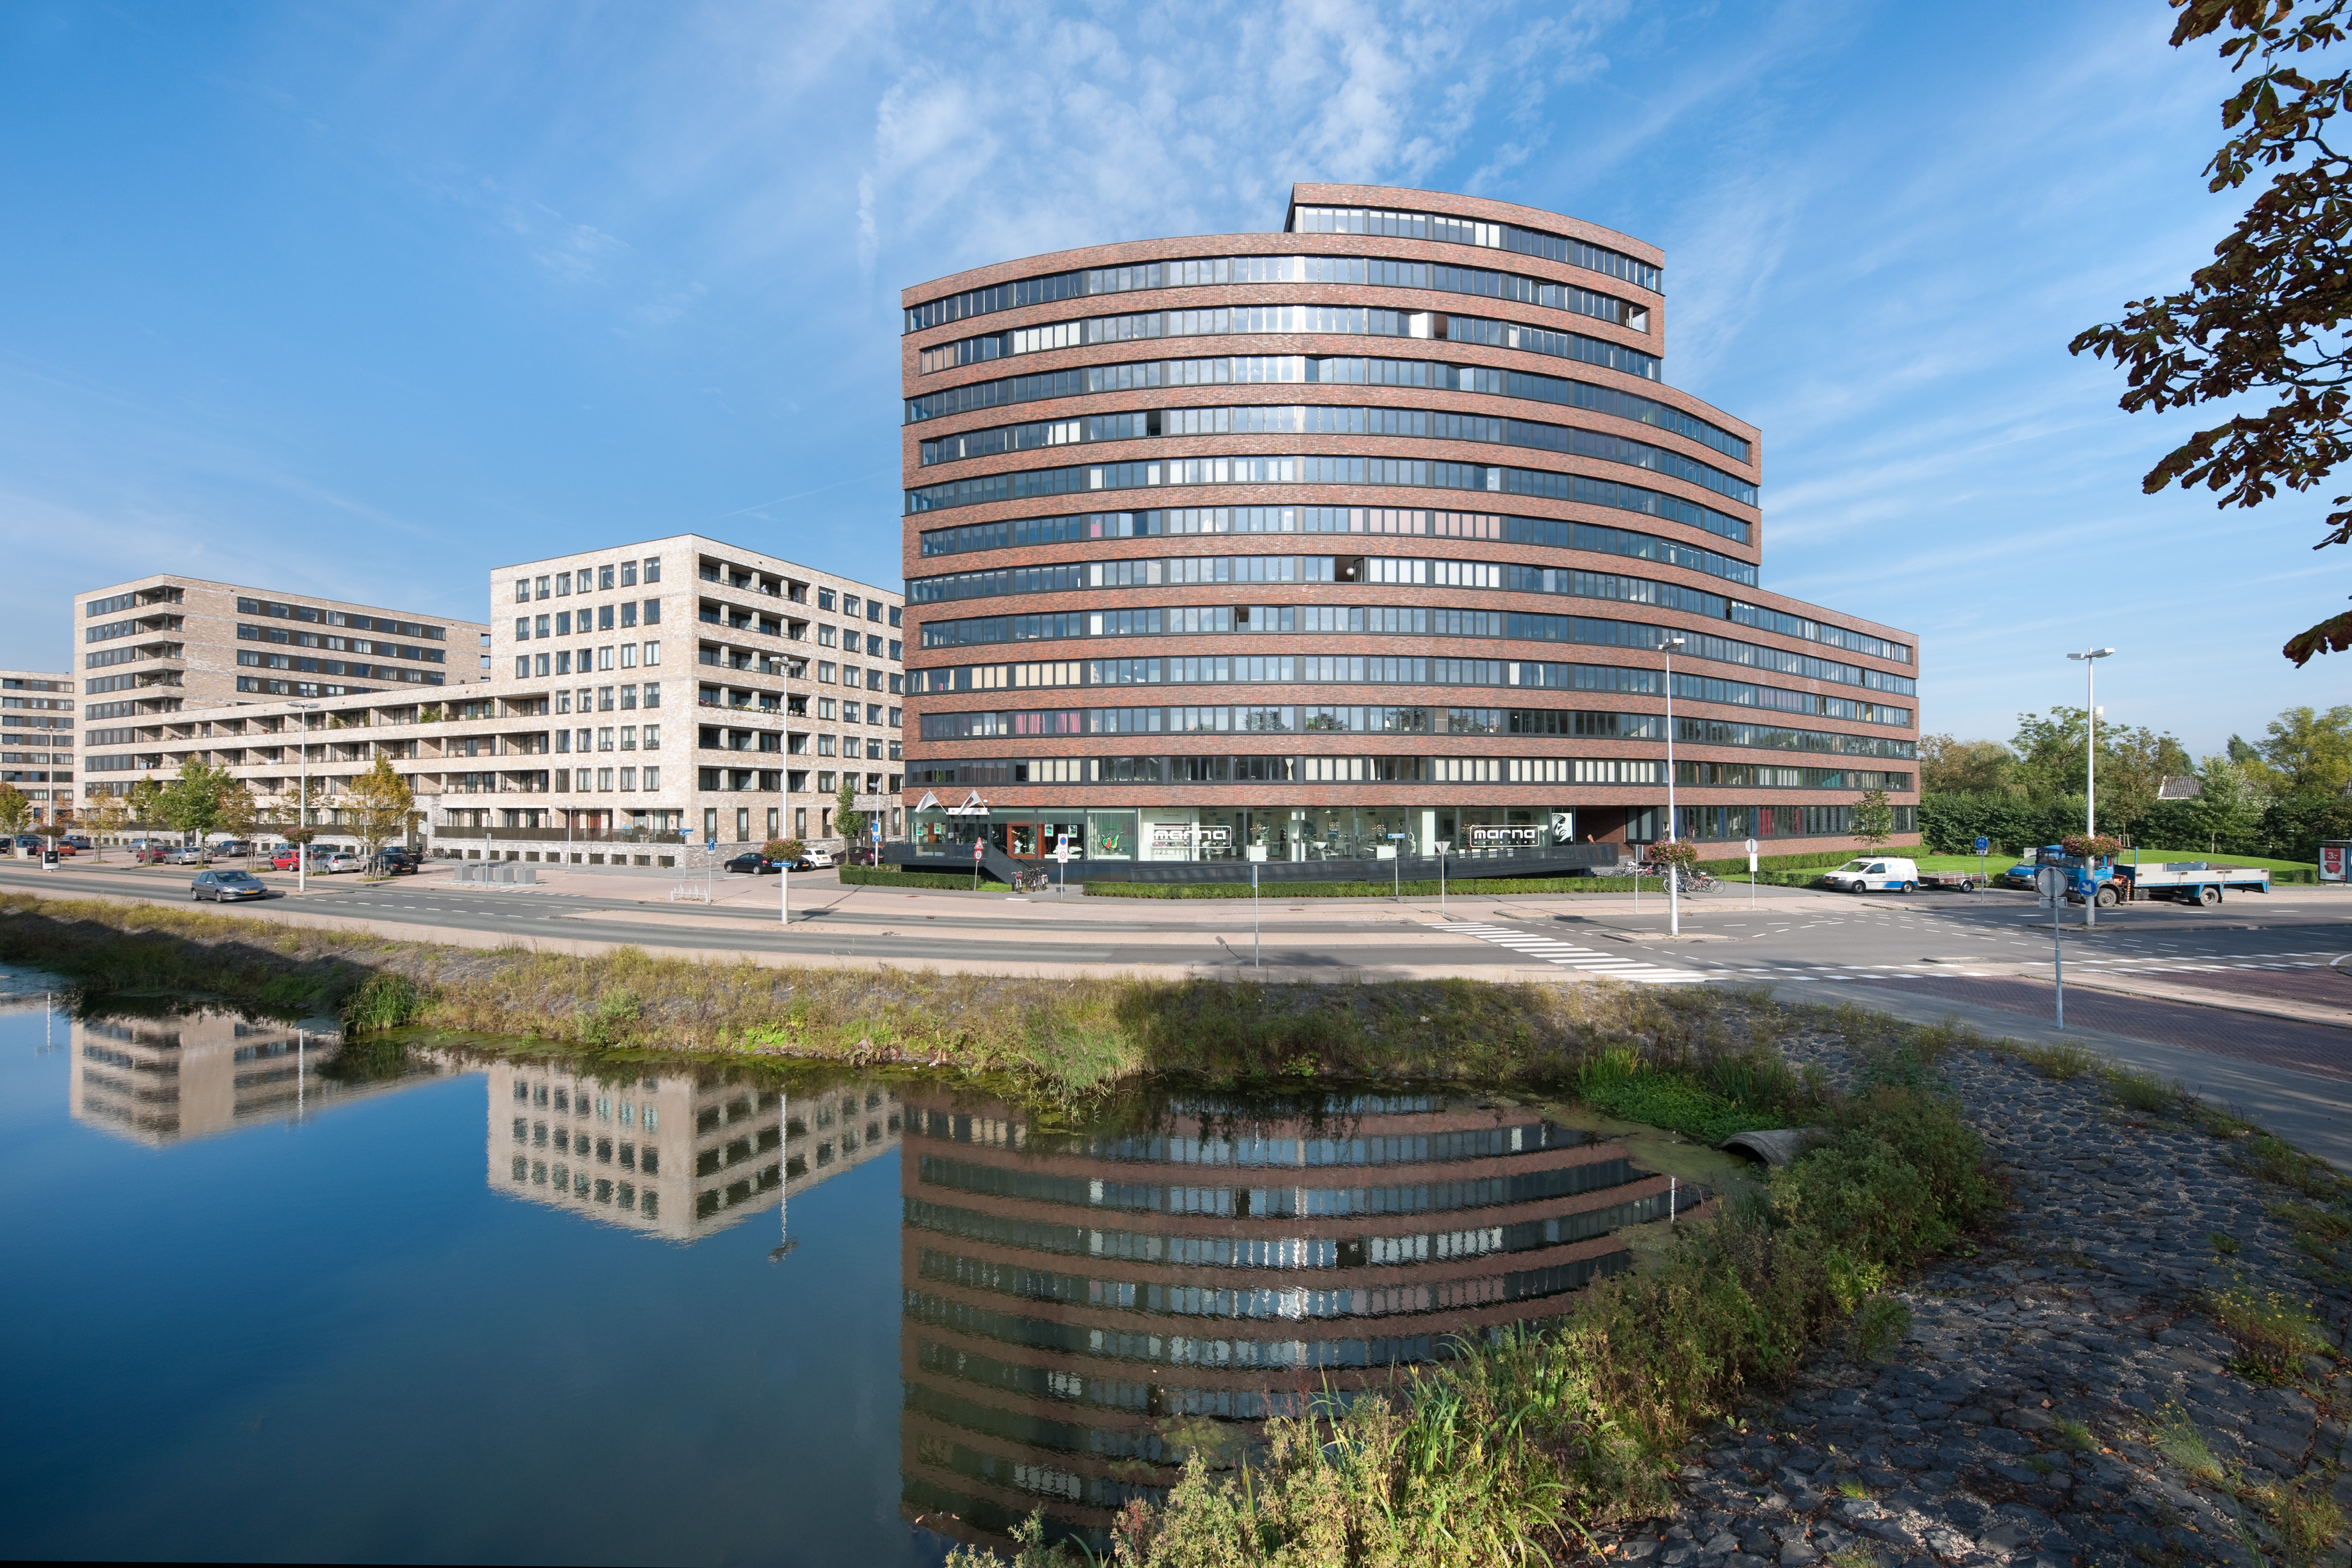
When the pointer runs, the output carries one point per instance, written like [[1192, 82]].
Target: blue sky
[[363, 300]]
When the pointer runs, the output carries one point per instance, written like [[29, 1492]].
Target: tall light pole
[[1666, 646], [2091, 762], [302, 802]]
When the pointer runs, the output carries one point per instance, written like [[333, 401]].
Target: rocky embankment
[[2139, 1367]]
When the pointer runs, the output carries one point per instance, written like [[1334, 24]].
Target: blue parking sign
[[1984, 844]]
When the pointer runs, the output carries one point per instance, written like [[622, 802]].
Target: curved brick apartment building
[[1351, 541]]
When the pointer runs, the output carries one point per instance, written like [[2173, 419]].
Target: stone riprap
[[2085, 1306]]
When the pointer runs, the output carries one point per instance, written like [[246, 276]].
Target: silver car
[[222, 886], [342, 863]]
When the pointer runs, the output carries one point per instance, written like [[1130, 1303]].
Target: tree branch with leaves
[[2267, 315]]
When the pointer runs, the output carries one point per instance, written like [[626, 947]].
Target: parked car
[[343, 860], [396, 860], [814, 860], [753, 864], [231, 850], [284, 857], [75, 842], [188, 855], [222, 887], [151, 854], [65, 847], [862, 855], [1875, 873]]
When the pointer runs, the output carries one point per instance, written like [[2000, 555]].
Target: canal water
[[271, 1296]]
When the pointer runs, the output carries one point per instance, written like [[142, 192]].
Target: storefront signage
[[1495, 837], [1184, 835], [972, 806]]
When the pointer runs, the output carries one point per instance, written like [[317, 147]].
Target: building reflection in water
[[1080, 1310], [673, 1154], [168, 1079]]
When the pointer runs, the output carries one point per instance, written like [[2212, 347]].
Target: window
[[653, 736], [629, 778], [898, 718], [824, 671], [653, 653], [824, 786], [824, 598], [604, 576], [628, 655], [898, 649], [895, 613], [604, 775], [653, 612], [563, 663], [653, 570], [563, 702], [824, 637], [603, 617], [522, 667], [603, 699], [824, 745], [653, 781], [629, 614], [522, 590], [653, 692], [628, 573], [604, 657], [628, 737], [562, 623], [563, 584], [849, 604], [486, 640]]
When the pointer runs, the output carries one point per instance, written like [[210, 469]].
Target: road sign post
[[1984, 869], [2051, 882], [1396, 861], [1257, 953], [1751, 873], [1442, 846], [1062, 853], [975, 865]]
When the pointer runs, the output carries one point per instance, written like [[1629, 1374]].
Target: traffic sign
[[1984, 844], [976, 848], [711, 844], [1751, 846]]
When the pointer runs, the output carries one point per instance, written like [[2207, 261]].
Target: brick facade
[[1030, 779]]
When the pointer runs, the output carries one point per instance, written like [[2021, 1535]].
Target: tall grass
[[1511, 1453]]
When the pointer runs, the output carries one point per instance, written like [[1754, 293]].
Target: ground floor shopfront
[[940, 829]]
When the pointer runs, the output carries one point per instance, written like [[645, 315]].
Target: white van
[[1875, 873]]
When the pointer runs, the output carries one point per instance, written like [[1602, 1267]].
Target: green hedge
[[883, 876]]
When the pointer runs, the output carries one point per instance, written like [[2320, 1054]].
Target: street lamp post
[[302, 802], [2091, 764], [1666, 646]]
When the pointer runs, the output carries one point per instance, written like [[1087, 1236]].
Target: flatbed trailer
[[1954, 881], [2186, 882]]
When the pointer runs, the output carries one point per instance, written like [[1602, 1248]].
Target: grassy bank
[[1511, 1452], [1056, 1035]]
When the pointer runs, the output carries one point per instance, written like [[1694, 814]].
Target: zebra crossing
[[1567, 955]]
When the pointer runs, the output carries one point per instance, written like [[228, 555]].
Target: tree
[[146, 803], [2310, 751], [240, 814], [377, 805], [106, 819], [2133, 762], [291, 815], [2227, 810], [191, 802], [2266, 316], [16, 812], [1871, 820], [845, 815], [1966, 767]]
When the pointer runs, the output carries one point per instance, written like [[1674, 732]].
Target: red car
[[283, 861], [151, 854]]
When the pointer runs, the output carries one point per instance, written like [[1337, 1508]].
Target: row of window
[[602, 698], [1396, 620], [1284, 719], [1134, 375], [107, 606], [796, 781], [254, 659], [1465, 231], [1258, 320], [264, 685], [1415, 473], [1360, 670], [141, 627], [623, 656], [1405, 571], [355, 622], [249, 632], [1223, 271], [1343, 419], [1225, 768], [971, 537], [561, 623], [607, 738], [112, 656], [592, 579]]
